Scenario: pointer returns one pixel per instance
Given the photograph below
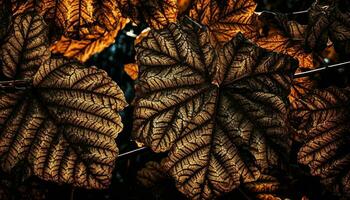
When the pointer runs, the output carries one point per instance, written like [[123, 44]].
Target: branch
[[132, 152], [314, 71], [16, 84]]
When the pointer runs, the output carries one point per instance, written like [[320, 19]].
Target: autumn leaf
[[224, 19], [329, 19], [280, 35], [25, 47], [157, 13], [132, 69], [265, 188], [83, 28], [321, 119], [221, 114], [153, 173], [65, 123], [142, 35], [183, 5]]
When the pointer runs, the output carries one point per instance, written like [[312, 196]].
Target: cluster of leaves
[[215, 94]]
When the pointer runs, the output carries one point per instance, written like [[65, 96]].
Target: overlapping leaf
[[25, 47], [265, 188], [153, 173], [87, 26], [329, 18], [287, 37], [65, 125], [322, 119], [132, 69], [221, 115], [224, 19], [157, 13]]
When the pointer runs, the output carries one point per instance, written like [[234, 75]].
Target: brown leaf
[[287, 37], [65, 125], [183, 5], [25, 47], [265, 188], [157, 13], [91, 44], [88, 27], [221, 114], [152, 174], [132, 69], [322, 119], [329, 19], [142, 35], [224, 19]]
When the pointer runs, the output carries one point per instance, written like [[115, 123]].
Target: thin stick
[[314, 71], [132, 152], [15, 84]]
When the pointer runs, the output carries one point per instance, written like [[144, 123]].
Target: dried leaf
[[65, 125], [157, 13], [183, 5], [329, 18], [91, 44], [265, 188], [224, 19], [322, 119], [25, 47], [221, 115], [142, 35], [152, 174], [132, 70], [287, 37]]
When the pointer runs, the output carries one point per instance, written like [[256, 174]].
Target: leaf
[[221, 115], [329, 19], [265, 188], [152, 174], [322, 117], [224, 19], [91, 44], [157, 13], [25, 47], [83, 28], [142, 35], [287, 37], [132, 70], [65, 125], [183, 5]]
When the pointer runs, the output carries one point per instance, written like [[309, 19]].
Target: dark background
[[124, 184]]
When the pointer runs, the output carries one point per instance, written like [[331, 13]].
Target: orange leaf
[[132, 69]]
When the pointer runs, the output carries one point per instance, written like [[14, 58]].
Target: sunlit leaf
[[221, 114], [132, 70], [322, 120], [157, 13], [265, 188], [224, 19]]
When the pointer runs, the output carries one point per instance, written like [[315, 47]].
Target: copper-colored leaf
[[157, 13], [322, 119], [132, 70], [222, 115], [265, 188], [25, 47], [142, 35], [153, 173], [65, 124], [329, 18], [88, 27], [183, 5], [224, 19], [91, 44], [287, 37]]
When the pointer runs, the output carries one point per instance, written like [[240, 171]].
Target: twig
[[132, 152], [314, 71], [200, 26]]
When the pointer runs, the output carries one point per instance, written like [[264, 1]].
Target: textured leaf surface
[[221, 115], [132, 70], [157, 13], [153, 173], [224, 19], [265, 188], [322, 119], [65, 125], [25, 47], [287, 37]]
